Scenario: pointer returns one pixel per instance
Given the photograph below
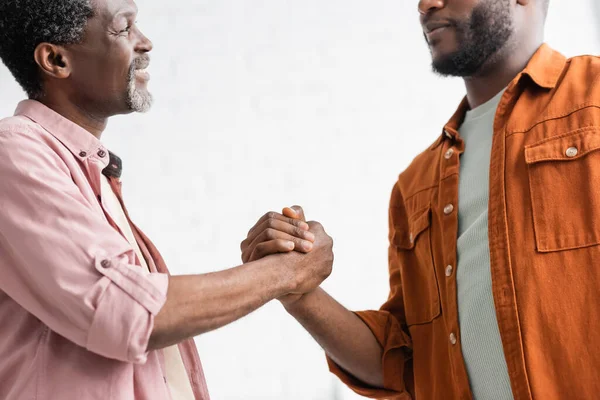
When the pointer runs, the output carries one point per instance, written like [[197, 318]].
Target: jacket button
[[449, 271], [82, 154], [452, 339], [101, 153], [105, 263], [572, 152], [448, 209]]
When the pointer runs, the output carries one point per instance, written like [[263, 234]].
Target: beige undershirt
[[177, 377]]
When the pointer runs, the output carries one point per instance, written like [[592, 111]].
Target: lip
[[431, 26], [142, 74], [435, 26], [435, 33]]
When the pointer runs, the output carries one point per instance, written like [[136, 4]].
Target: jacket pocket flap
[[416, 225], [566, 147]]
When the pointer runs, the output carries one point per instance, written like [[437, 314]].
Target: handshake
[[303, 250]]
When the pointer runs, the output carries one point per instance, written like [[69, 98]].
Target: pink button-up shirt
[[76, 308]]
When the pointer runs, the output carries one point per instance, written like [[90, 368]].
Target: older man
[[87, 308]]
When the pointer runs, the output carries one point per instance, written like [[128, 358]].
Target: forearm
[[343, 336], [200, 303]]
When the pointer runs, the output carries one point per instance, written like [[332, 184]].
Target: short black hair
[[24, 24]]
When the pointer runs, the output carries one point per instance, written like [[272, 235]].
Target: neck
[[91, 123], [484, 86]]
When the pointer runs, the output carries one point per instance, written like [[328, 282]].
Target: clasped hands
[[303, 249]]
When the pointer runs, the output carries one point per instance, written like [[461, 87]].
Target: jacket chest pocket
[[419, 283], [564, 180]]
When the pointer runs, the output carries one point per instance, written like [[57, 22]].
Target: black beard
[[480, 38]]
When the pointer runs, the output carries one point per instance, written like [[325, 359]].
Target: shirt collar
[[544, 69], [80, 142]]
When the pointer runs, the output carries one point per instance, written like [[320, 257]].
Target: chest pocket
[[419, 283], [564, 180]]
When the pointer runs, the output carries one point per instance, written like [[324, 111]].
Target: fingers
[[295, 212], [271, 247], [277, 233], [279, 236], [272, 216], [284, 225]]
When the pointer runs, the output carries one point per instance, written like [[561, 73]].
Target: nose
[[429, 6], [144, 44]]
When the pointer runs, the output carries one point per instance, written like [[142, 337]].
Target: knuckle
[[292, 221], [259, 249], [270, 233], [315, 224]]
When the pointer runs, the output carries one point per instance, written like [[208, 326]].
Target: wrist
[[281, 280], [298, 303]]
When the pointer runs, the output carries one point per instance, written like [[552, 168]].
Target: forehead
[[110, 9]]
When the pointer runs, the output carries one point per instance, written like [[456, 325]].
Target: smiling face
[[108, 68], [464, 35]]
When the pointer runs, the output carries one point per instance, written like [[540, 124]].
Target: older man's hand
[[276, 233], [282, 233]]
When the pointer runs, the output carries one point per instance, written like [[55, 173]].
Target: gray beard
[[137, 100]]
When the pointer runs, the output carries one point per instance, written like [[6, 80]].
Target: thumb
[[295, 212]]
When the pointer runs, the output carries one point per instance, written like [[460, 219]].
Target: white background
[[267, 103]]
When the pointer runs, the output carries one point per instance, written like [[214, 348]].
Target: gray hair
[[24, 24]]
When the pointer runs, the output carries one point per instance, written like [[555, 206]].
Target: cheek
[[104, 71], [464, 7]]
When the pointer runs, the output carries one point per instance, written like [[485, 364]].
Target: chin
[[442, 50], [139, 100]]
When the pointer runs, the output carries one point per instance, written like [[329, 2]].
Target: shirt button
[[449, 154], [82, 154], [101, 153], [572, 152], [452, 339], [105, 263], [448, 209], [449, 270]]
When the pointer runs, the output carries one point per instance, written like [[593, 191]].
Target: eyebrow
[[127, 12]]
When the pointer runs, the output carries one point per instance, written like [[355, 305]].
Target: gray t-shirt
[[480, 336]]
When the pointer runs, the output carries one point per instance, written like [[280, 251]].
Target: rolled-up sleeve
[[397, 347], [389, 328], [62, 261]]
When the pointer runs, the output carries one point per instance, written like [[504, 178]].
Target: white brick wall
[[267, 103]]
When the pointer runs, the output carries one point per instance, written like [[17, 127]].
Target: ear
[[53, 60]]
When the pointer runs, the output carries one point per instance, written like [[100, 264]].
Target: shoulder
[[24, 144], [581, 78], [416, 182]]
